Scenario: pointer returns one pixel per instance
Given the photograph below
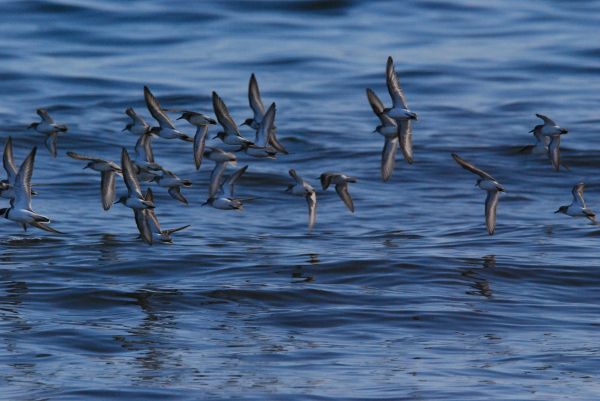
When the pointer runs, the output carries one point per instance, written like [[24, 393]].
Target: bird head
[[127, 127], [562, 209], [33, 125]]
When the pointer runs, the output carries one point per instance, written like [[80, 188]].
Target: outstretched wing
[[157, 112], [129, 176], [468, 166], [546, 120], [9, 161], [23, 182], [311, 200], [43, 113], [223, 115], [491, 203], [393, 85], [254, 99], [578, 194], [342, 191]]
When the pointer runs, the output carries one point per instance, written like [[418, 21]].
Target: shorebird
[[258, 109], [107, 170], [541, 142], [341, 186], [303, 188], [225, 198], [147, 220], [222, 159], [389, 130], [8, 161], [49, 128], [399, 111], [231, 134], [201, 122], [488, 184], [262, 148], [134, 198], [577, 208], [173, 183], [166, 128], [20, 210], [551, 130], [138, 125]]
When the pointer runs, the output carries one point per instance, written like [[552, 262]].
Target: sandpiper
[[577, 208], [225, 198], [166, 128], [341, 186], [138, 125], [231, 134], [49, 128], [303, 188], [488, 184], [201, 122], [107, 170]]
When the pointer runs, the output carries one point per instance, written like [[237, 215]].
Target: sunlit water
[[408, 298]]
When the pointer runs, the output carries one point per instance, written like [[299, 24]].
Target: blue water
[[408, 298]]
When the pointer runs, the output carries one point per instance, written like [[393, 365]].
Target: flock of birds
[[395, 126]]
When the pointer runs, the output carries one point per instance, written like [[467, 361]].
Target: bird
[[551, 130], [389, 129], [145, 166], [231, 134], [303, 188], [261, 148], [134, 198], [166, 128], [225, 198], [173, 183], [147, 219], [108, 169], [20, 210], [49, 128], [489, 184], [541, 142], [138, 125], [400, 111], [201, 122], [222, 159], [578, 208], [341, 186], [256, 104]]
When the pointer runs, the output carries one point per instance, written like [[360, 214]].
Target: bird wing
[[546, 120], [215, 178], [51, 144], [108, 188], [491, 203], [577, 192], [342, 191], [199, 144], [43, 113], [378, 108], [311, 200], [135, 117], [405, 135], [77, 156], [266, 129], [388, 157], [143, 148], [142, 225], [254, 99], [223, 115], [326, 179], [9, 161], [176, 194], [129, 176], [554, 151], [229, 184], [174, 230], [23, 182], [468, 166], [393, 85], [157, 112]]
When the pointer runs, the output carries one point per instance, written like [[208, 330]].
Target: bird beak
[[215, 137], [119, 201], [124, 129], [244, 123], [557, 211], [180, 117], [85, 167]]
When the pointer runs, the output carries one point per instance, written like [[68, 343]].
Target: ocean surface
[[406, 299]]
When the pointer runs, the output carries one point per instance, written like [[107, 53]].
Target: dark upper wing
[[378, 108], [468, 166], [43, 113], [157, 112], [108, 188], [223, 115], [129, 176], [311, 200], [254, 99], [405, 135], [388, 157], [577, 192], [23, 182], [9, 161], [342, 191], [394, 85], [199, 144]]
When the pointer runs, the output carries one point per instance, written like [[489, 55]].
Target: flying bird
[[258, 109], [552, 131], [487, 183], [201, 122], [20, 210], [389, 130], [147, 220], [303, 188], [262, 148], [138, 125], [578, 208], [225, 199], [108, 169], [166, 129], [341, 186], [48, 127], [231, 134]]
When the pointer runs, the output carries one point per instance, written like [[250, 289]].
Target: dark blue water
[[407, 299]]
